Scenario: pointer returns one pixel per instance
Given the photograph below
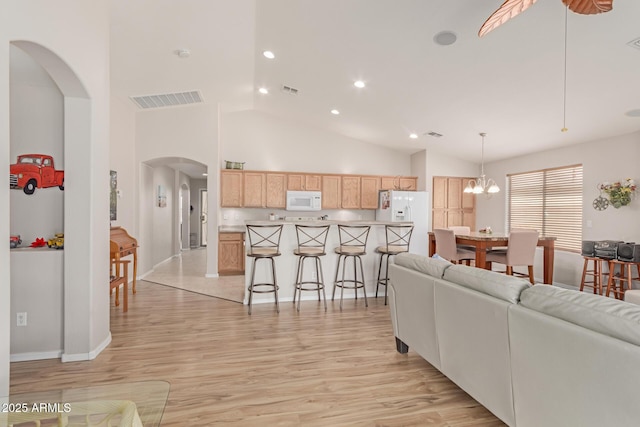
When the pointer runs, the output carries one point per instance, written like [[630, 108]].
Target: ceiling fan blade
[[589, 7], [508, 10]]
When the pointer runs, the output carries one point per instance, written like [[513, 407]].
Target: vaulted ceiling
[[509, 84]]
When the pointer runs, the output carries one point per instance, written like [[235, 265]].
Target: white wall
[[122, 159], [189, 132], [164, 218], [77, 58], [604, 160], [266, 142]]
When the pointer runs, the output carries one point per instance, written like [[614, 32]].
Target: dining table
[[482, 241]]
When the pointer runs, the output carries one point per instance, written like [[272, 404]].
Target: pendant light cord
[[564, 101]]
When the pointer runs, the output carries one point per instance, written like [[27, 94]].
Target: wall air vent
[[434, 134], [635, 43], [290, 90], [167, 99]]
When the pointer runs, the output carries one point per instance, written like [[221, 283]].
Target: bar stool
[[353, 245], [397, 239], [595, 272], [616, 283], [264, 244], [311, 245]]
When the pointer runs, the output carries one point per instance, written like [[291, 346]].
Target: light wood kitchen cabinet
[[231, 188], [331, 194], [275, 188], [350, 192], [304, 182], [369, 189], [451, 206], [255, 190], [404, 183], [231, 253]]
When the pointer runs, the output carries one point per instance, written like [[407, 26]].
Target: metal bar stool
[[397, 238], [595, 272], [616, 283], [311, 245], [353, 245], [264, 244]]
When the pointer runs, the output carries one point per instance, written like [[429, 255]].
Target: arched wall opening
[[81, 307], [169, 188]]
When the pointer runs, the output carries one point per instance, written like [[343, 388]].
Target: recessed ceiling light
[[335, 112], [263, 90], [268, 54], [445, 38], [413, 136], [359, 84]]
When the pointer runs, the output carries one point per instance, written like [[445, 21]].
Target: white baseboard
[[87, 356], [36, 355], [211, 275]]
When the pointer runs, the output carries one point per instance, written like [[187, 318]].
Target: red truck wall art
[[33, 171]]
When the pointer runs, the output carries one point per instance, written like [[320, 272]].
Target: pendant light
[[482, 185]]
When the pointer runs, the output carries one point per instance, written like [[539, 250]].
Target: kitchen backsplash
[[231, 216]]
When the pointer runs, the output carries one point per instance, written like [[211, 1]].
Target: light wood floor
[[312, 368]]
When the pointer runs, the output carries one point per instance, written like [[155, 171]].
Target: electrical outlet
[[21, 319]]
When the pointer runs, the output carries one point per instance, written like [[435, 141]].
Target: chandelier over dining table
[[482, 185]]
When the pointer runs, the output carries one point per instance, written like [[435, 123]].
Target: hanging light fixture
[[482, 185]]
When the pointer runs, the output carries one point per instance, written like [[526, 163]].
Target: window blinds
[[550, 201]]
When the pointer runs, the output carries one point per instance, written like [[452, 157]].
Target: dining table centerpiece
[[619, 192]]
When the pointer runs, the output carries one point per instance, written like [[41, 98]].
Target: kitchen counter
[[232, 229], [324, 222], [286, 263]]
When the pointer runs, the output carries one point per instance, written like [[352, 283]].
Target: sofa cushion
[[605, 315], [430, 266], [502, 286]]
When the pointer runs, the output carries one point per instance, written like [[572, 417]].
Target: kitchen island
[[286, 263]]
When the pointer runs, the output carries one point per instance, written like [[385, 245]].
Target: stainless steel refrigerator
[[407, 206]]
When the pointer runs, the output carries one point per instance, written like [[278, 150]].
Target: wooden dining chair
[[521, 251]]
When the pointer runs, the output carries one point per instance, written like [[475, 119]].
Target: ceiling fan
[[512, 8]]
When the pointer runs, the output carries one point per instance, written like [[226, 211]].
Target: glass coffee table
[[122, 404]]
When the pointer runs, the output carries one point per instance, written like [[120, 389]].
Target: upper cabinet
[[331, 191], [231, 188], [276, 193], [369, 189], [255, 195], [404, 183], [451, 205], [304, 182], [350, 192], [262, 189]]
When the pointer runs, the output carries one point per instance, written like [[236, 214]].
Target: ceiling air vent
[[434, 134], [635, 43], [167, 99], [290, 90]]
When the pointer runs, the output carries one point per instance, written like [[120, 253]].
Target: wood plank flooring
[[312, 368]]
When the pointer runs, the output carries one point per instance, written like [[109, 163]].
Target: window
[[549, 200]]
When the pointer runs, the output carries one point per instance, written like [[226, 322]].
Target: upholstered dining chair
[[446, 247], [521, 251], [462, 230]]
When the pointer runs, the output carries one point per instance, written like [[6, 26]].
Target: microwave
[[304, 200]]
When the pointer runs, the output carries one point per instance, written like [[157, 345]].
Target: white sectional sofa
[[532, 355]]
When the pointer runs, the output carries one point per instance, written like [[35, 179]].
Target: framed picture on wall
[[162, 197], [113, 195]]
